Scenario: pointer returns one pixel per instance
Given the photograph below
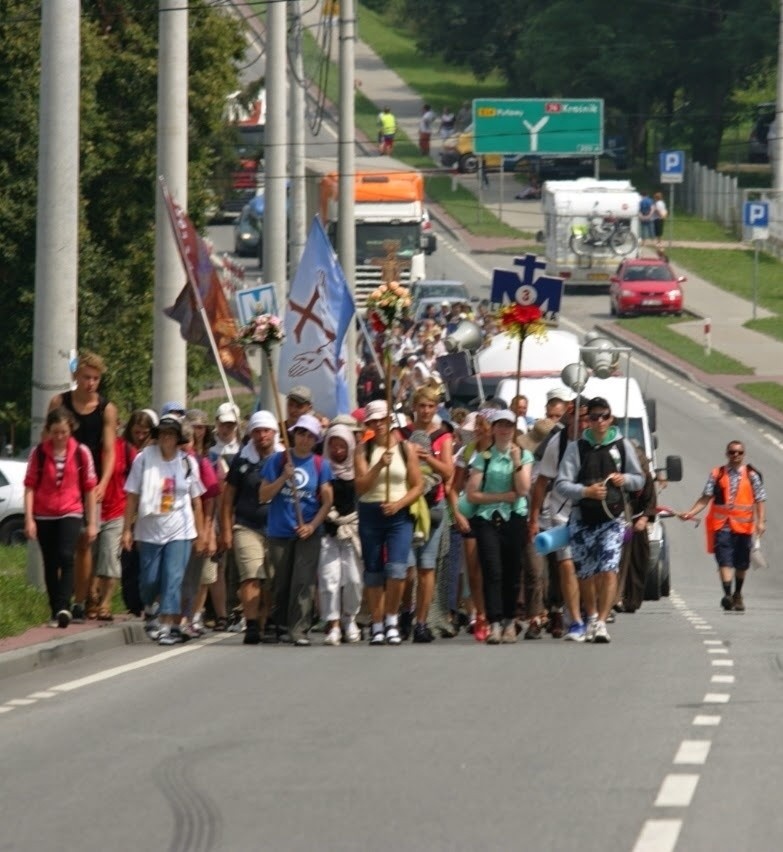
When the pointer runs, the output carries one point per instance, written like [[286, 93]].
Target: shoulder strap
[[755, 470], [563, 438], [40, 458]]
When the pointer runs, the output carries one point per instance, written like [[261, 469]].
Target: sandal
[[104, 614], [92, 608]]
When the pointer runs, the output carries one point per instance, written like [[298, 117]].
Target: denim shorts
[[732, 550], [386, 543], [424, 554]]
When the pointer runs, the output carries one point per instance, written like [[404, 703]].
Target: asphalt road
[[667, 734]]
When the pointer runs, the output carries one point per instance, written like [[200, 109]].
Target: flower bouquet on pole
[[520, 322], [265, 331], [386, 305]]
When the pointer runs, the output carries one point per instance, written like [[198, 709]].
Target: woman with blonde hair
[[385, 522]]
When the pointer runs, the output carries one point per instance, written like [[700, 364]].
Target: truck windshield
[[250, 139], [370, 240]]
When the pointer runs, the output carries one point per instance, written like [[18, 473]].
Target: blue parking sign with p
[[755, 214], [672, 166]]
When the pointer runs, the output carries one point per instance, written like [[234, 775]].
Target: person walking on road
[[498, 486], [59, 496], [387, 128], [595, 472], [736, 498]]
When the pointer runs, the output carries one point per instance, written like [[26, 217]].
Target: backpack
[[40, 457], [645, 206], [596, 463]]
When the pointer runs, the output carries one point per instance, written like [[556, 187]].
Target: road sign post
[[755, 229], [538, 126], [672, 166]]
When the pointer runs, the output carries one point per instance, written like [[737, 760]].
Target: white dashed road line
[[676, 791], [658, 835], [706, 721], [693, 752]]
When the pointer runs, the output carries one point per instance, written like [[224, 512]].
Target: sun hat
[[301, 394], [152, 414], [562, 393], [172, 407], [376, 410], [536, 434], [262, 420], [308, 422], [227, 412], [170, 423], [196, 417], [504, 415]]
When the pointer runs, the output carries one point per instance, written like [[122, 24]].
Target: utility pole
[[346, 231], [275, 215], [777, 165], [298, 231], [169, 350], [57, 217]]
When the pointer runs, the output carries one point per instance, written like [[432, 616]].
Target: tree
[[118, 176]]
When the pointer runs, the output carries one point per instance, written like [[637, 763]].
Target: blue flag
[[317, 317]]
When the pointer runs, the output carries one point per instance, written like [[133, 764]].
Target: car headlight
[[626, 293], [673, 294]]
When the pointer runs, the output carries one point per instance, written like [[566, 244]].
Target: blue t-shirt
[[281, 521]]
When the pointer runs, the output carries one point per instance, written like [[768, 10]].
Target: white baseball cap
[[262, 420], [227, 412], [307, 421]]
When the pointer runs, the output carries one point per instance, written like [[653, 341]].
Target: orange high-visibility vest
[[739, 514]]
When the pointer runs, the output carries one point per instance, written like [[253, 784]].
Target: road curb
[[48, 654], [738, 402]]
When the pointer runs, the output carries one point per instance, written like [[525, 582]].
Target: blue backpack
[[645, 205]]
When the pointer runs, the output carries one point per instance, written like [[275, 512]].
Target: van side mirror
[[673, 469]]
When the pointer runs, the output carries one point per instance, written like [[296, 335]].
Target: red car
[[645, 286]]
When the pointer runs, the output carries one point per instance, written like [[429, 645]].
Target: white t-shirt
[[426, 120], [660, 211], [171, 485]]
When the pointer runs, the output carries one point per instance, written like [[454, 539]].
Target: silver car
[[12, 473]]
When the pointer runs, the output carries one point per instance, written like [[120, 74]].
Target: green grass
[[463, 205], [21, 605], [435, 81], [688, 227], [732, 270], [769, 393], [658, 331]]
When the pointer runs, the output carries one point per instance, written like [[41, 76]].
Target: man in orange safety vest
[[736, 498]]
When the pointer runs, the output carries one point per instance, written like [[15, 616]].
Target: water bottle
[[757, 558]]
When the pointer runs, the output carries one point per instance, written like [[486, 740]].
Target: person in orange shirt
[[737, 511]]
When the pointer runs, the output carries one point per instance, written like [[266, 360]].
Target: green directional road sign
[[538, 126]]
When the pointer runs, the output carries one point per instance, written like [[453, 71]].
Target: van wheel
[[652, 585], [468, 164]]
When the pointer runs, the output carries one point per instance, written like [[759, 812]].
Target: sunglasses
[[735, 453], [594, 418]]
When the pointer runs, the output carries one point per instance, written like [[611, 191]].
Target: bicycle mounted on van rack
[[603, 231]]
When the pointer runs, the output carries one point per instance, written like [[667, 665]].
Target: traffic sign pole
[[755, 276], [671, 214]]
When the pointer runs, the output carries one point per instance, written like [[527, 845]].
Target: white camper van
[[636, 418], [589, 227]]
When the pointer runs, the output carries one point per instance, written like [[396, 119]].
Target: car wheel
[[678, 313], [652, 584], [612, 309], [468, 164], [12, 532]]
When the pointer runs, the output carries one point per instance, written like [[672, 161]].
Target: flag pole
[[194, 287], [283, 431]]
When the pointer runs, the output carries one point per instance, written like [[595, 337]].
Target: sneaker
[[481, 629], [590, 628], [237, 623], [378, 638], [333, 637], [422, 633], [171, 636], [727, 603], [77, 614], [610, 617], [576, 632], [393, 635], [495, 635], [533, 630], [405, 625], [52, 623], [509, 635], [152, 627], [252, 633], [64, 618], [555, 626], [601, 635], [737, 603], [197, 627], [302, 642], [351, 633], [221, 624]]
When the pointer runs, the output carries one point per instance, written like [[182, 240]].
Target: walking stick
[[388, 365], [286, 443]]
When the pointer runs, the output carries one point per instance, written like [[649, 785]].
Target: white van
[[636, 419]]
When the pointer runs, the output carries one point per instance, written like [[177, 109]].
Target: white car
[[12, 474]]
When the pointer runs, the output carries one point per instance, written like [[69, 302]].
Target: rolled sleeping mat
[[550, 540]]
